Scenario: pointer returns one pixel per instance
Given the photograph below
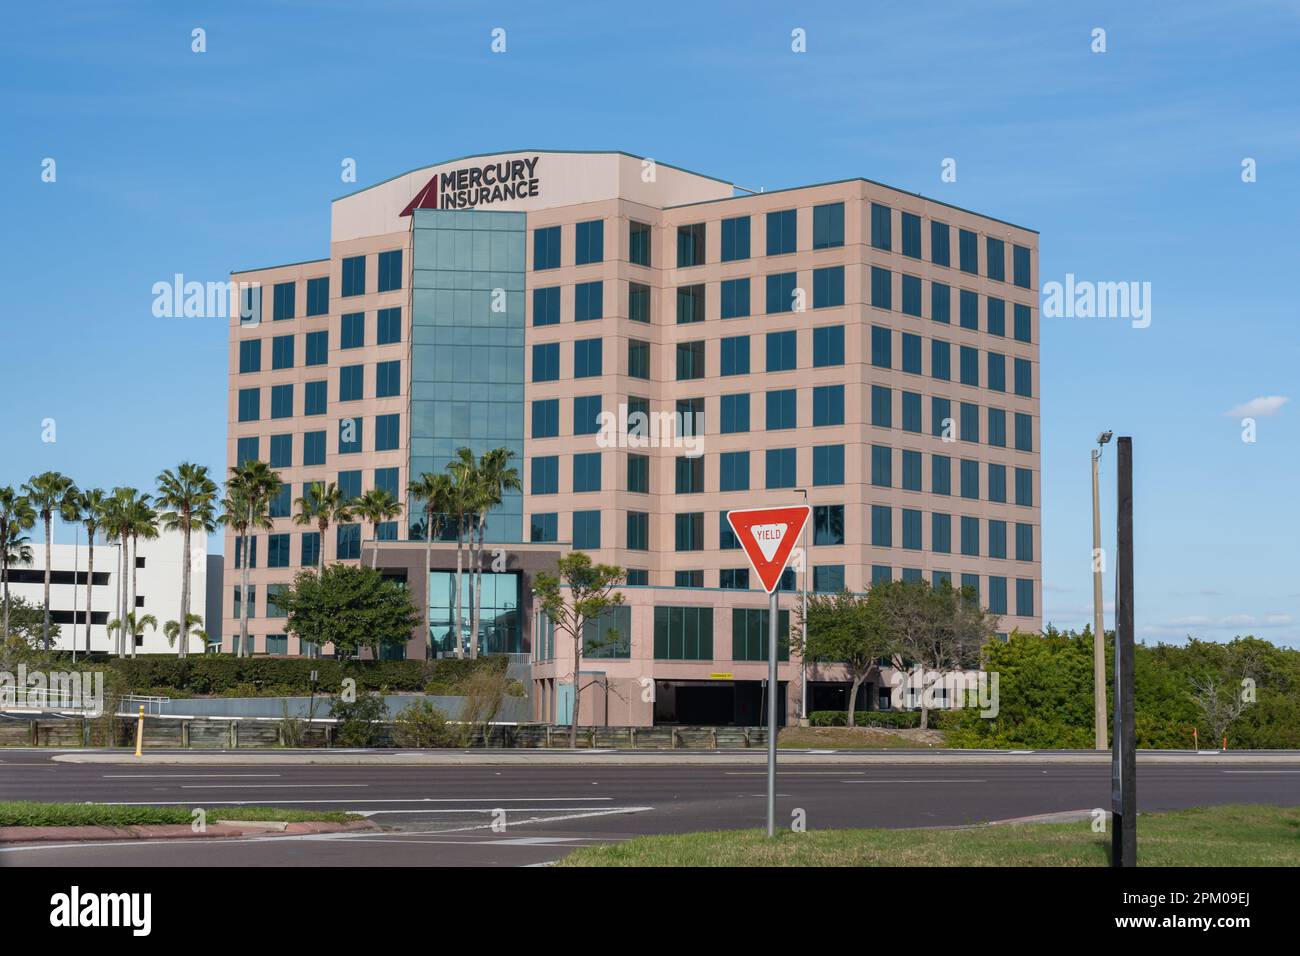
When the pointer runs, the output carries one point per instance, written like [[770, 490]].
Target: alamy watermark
[[1084, 299], [60, 690], [944, 690], [645, 429], [179, 299]]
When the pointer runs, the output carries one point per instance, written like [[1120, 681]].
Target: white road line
[[796, 773], [237, 803], [268, 786], [1259, 771], [915, 781], [182, 776], [371, 813]]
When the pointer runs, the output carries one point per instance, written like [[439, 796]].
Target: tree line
[[187, 499]]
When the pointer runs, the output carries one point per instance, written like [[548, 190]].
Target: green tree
[[435, 491], [134, 627], [376, 506], [120, 514], [187, 497], [350, 607], [172, 630], [934, 629], [580, 592], [461, 505], [90, 507], [16, 516], [249, 491], [26, 623], [50, 493], [322, 504], [493, 477], [848, 629], [144, 524]]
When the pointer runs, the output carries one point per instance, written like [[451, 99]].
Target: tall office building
[[655, 347]]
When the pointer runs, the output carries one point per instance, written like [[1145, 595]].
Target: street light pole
[[1098, 618]]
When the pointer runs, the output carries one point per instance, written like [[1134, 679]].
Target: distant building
[[157, 589]]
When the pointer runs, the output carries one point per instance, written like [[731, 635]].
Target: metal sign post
[[1123, 766], [768, 536]]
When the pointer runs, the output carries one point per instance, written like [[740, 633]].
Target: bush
[[420, 724], [359, 722], [896, 719]]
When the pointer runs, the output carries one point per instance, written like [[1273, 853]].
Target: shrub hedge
[[224, 675]]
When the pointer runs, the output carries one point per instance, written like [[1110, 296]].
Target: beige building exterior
[[536, 299]]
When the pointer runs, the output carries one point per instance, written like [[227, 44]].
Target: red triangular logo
[[768, 536], [426, 198]]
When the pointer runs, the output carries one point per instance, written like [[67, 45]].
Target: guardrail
[[129, 706]]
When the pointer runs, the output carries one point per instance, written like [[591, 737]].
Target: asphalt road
[[443, 816]]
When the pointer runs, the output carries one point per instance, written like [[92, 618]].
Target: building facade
[[155, 577], [655, 347]]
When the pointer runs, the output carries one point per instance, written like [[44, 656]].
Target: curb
[[174, 831]]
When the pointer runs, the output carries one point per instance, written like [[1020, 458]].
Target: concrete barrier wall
[[513, 709]]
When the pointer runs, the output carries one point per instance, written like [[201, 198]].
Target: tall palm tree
[[249, 491], [172, 630], [50, 493], [464, 492], [376, 505], [16, 516], [320, 504], [144, 524], [116, 521], [495, 477], [133, 628], [189, 499], [435, 492], [90, 505]]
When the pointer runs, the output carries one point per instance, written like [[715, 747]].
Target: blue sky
[[1128, 162]]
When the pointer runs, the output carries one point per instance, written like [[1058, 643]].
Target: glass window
[[735, 413], [351, 383], [997, 483], [882, 406], [586, 472], [683, 633], [586, 530], [970, 422], [388, 379], [881, 227], [313, 448], [587, 359], [542, 527], [911, 412], [735, 239], [1020, 266], [249, 404], [911, 295], [546, 362], [1024, 487], [828, 225], [911, 235], [940, 303], [282, 401], [282, 352], [586, 414], [690, 304], [1021, 323], [638, 243], [911, 470], [882, 526], [1024, 541], [638, 302], [690, 360], [247, 449], [940, 360], [995, 316], [828, 287], [310, 552], [782, 351], [882, 355], [589, 242], [781, 409], [1024, 432], [277, 550], [969, 310], [546, 306], [881, 288], [690, 245], [735, 298], [998, 427], [546, 248], [1024, 597], [588, 301], [912, 529], [390, 270], [317, 348], [828, 405], [997, 372], [751, 633], [1024, 378], [638, 530], [828, 465], [283, 301], [354, 275], [940, 475], [638, 473], [250, 356], [781, 233], [941, 533], [734, 471], [689, 531], [968, 251], [735, 355], [348, 542], [318, 295], [939, 234], [970, 536], [940, 417], [781, 292], [350, 434], [281, 454], [390, 326], [780, 468], [828, 346], [638, 359], [882, 466], [387, 432], [996, 253], [546, 418], [353, 335]]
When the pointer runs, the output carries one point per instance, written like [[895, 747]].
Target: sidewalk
[[173, 831], [677, 758]]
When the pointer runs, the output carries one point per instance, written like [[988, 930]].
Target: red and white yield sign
[[768, 536]]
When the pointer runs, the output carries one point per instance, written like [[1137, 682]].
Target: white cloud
[[1261, 407]]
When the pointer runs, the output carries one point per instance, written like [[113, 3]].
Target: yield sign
[[768, 536]]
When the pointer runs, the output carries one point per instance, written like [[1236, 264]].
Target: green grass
[[852, 738], [31, 814], [1206, 836]]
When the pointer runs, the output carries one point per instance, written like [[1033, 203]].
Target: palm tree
[[49, 493], [172, 631], [16, 516], [189, 497], [120, 515], [435, 492], [90, 505], [144, 524], [134, 627], [249, 491], [320, 505], [495, 477], [464, 491], [376, 505]]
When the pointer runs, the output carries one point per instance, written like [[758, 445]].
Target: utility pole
[[1098, 616]]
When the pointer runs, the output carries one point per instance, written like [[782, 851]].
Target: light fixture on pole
[[1098, 618]]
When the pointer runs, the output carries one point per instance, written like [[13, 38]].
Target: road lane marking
[[182, 776], [916, 781], [236, 803], [267, 786]]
